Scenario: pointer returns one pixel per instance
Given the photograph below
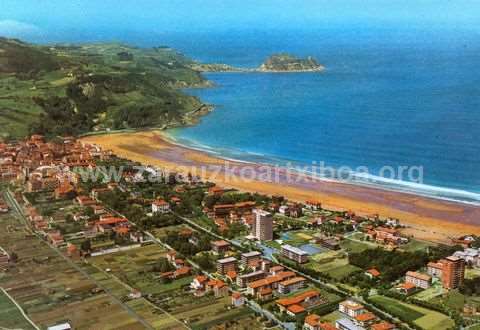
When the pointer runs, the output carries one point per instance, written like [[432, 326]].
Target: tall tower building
[[453, 272], [262, 227]]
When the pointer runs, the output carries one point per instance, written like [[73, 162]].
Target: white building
[[262, 227], [419, 280], [160, 206], [294, 253], [351, 308]]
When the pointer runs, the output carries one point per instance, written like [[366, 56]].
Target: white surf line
[[20, 308]]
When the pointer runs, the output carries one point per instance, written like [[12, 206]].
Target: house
[[4, 207], [232, 276], [182, 272], [160, 206], [312, 322], [351, 308], [199, 282], [313, 205], [406, 288], [383, 326], [220, 246], [218, 287], [295, 310], [304, 300], [365, 319], [372, 273], [291, 285], [237, 299], [419, 280]]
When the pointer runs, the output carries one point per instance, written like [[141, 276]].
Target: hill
[[73, 89]]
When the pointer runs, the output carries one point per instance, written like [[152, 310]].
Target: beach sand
[[427, 218]]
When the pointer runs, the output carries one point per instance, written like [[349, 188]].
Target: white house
[[160, 206]]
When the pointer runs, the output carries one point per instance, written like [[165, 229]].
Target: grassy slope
[[92, 87]]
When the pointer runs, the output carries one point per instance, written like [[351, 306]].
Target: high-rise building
[[453, 272], [262, 227]]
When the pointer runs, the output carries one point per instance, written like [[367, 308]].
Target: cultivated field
[[424, 318]]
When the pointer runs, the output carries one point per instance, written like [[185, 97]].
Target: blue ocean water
[[387, 98]]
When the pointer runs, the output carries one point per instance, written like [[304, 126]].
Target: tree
[[86, 246], [162, 265]]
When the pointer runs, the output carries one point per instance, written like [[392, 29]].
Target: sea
[[389, 99]]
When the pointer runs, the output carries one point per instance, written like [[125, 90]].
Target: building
[[383, 326], [312, 322], [327, 242], [251, 259], [419, 280], [245, 279], [304, 300], [294, 253], [226, 264], [237, 299], [160, 206], [434, 269], [372, 273], [351, 308], [291, 285], [470, 255], [63, 326], [365, 319], [406, 288], [220, 246], [199, 282], [347, 324], [270, 282], [453, 272], [262, 228]]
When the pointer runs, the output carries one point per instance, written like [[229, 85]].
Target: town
[[81, 251]]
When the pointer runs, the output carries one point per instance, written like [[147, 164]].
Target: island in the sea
[[288, 63], [275, 63]]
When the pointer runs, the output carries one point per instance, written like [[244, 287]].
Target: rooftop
[[226, 260], [294, 249]]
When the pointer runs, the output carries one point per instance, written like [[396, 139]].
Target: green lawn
[[354, 246], [424, 318], [415, 245], [10, 315]]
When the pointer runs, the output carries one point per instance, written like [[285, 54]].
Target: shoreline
[[396, 187], [427, 218]]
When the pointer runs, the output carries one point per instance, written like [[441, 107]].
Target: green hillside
[[72, 89]]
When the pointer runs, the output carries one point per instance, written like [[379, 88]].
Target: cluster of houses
[[355, 317], [42, 165], [385, 235], [181, 270]]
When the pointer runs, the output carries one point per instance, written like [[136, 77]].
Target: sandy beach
[[427, 218]]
